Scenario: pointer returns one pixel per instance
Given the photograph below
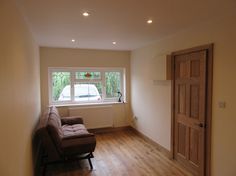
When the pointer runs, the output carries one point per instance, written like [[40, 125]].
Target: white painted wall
[[19, 92], [151, 102]]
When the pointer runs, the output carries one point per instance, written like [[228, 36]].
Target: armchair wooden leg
[[90, 163]]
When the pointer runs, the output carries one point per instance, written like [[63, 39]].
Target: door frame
[[209, 80]]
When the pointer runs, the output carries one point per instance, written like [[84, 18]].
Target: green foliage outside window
[[59, 81], [99, 87], [112, 84]]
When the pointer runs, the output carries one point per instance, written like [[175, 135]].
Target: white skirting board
[[94, 116]]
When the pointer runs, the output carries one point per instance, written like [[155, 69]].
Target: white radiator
[[94, 116]]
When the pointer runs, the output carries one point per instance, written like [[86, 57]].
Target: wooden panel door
[[189, 111]]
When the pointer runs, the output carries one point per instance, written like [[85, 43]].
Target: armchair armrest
[[71, 120]]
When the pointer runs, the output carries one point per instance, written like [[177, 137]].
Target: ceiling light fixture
[[73, 40], [114, 43], [86, 14], [149, 21]]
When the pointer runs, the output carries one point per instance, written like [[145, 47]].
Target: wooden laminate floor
[[121, 153]]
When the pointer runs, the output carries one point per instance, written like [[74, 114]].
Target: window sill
[[89, 104]]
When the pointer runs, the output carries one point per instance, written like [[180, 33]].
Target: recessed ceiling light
[[114, 43], [149, 21], [86, 14], [73, 40]]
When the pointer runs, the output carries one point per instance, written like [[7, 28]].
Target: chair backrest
[[49, 133], [54, 128]]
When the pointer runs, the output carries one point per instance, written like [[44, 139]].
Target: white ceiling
[[55, 22]]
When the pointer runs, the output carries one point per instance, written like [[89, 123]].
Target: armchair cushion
[[71, 120], [74, 130]]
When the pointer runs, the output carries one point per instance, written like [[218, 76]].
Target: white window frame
[[73, 81]]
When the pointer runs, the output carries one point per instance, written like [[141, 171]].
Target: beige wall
[[59, 57], [19, 92], [151, 101]]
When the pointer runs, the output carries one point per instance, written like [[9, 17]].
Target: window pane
[[88, 91], [61, 86], [88, 75], [112, 84]]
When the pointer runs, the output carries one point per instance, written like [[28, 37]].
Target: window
[[85, 85]]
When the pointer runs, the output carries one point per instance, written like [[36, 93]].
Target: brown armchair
[[64, 139]]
